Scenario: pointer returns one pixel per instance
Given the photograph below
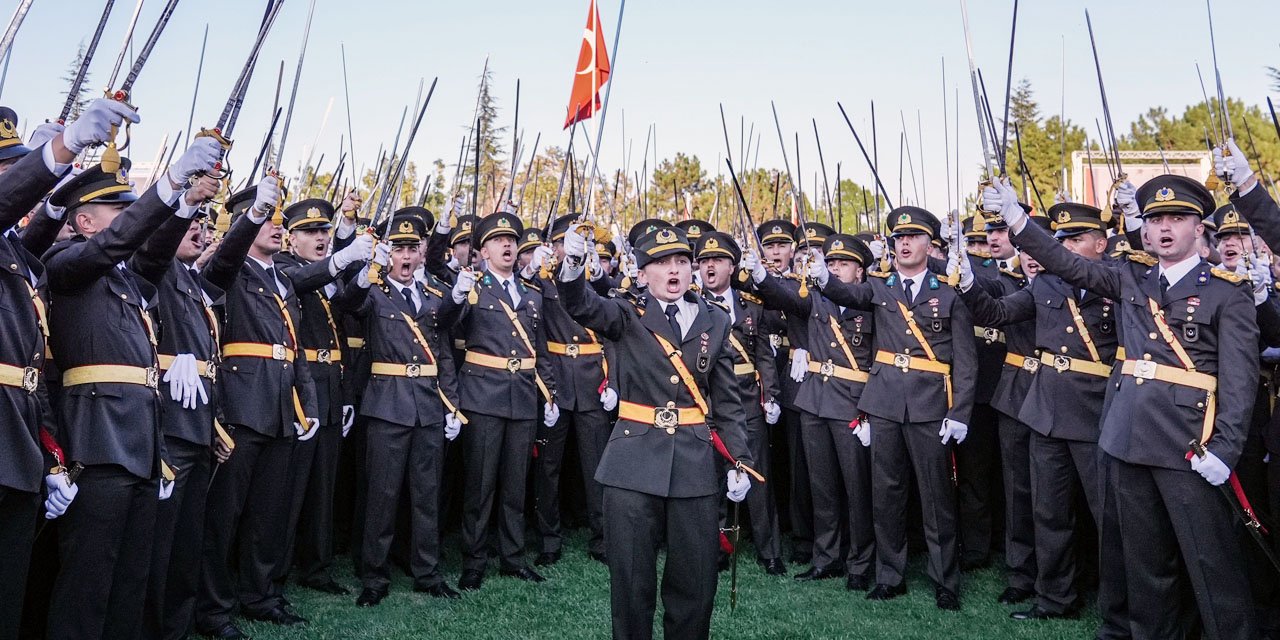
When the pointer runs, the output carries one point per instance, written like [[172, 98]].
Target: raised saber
[[293, 93], [1121, 176], [74, 92], [957, 230], [19, 14]]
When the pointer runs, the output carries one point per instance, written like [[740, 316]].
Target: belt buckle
[[571, 350], [991, 334], [1061, 363], [1144, 369], [827, 369], [30, 379], [413, 370], [324, 356], [902, 361], [775, 340], [211, 370], [153, 378], [666, 418], [513, 364], [278, 352], [1030, 364]]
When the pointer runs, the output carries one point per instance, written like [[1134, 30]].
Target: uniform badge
[[1193, 301], [1191, 332], [933, 283], [704, 363], [937, 326], [933, 302]]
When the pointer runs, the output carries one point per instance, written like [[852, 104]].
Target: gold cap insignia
[[122, 177], [712, 243], [466, 226], [776, 229], [1230, 217], [904, 218], [314, 212], [504, 223], [810, 232], [8, 129], [837, 245], [666, 235], [1064, 217], [1165, 194], [405, 227], [695, 231]]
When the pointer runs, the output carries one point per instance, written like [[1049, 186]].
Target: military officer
[[1188, 376], [918, 401], [269, 400], [410, 403], [455, 240], [659, 469], [835, 436], [505, 372], [757, 383], [110, 406]]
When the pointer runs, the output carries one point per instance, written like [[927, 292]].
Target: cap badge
[[666, 235], [122, 177], [712, 243], [466, 226], [1064, 217], [405, 227], [904, 218], [314, 212], [504, 223], [837, 245], [810, 232], [776, 229], [1230, 217], [8, 129], [1165, 194]]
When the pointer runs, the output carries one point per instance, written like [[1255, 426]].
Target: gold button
[[575, 338], [671, 431], [513, 333], [908, 332], [415, 358], [513, 352], [1146, 356], [1064, 349], [1138, 381], [1191, 309], [1152, 335], [626, 432], [1071, 329], [833, 345], [671, 404], [260, 289], [124, 297], [1199, 405], [1188, 318], [675, 379]]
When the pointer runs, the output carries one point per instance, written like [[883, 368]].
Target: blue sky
[[677, 62]]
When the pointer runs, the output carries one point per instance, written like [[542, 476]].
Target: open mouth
[[1230, 254], [1164, 241]]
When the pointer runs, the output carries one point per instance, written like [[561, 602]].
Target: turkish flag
[[591, 73]]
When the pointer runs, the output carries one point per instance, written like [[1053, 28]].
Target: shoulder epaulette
[[751, 298], [531, 285], [1012, 274], [433, 291], [791, 276], [693, 286], [1142, 257], [723, 306], [1229, 276], [880, 274], [978, 253]]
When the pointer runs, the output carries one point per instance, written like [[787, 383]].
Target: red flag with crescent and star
[[591, 73]]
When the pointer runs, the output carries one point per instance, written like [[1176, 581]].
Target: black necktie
[[906, 284], [511, 296], [717, 298], [671, 312], [408, 297], [272, 280], [1164, 289]]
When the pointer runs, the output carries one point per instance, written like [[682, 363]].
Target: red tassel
[[535, 450], [603, 384], [51, 445], [725, 545]]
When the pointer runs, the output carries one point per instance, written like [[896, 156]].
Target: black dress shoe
[[370, 597], [887, 592], [228, 631], [331, 587], [439, 590], [857, 583], [1036, 613], [1014, 595], [722, 564], [814, 573], [278, 615], [526, 574], [547, 558], [600, 557], [945, 599], [470, 580], [773, 566]]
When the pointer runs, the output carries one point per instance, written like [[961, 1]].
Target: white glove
[[948, 224], [738, 484], [166, 489], [751, 262], [1211, 468], [1127, 199], [609, 398], [381, 257], [359, 249], [348, 418], [95, 122], [818, 267], [575, 254], [1232, 166], [508, 207], [772, 412], [550, 413], [466, 282], [1000, 197], [267, 196], [60, 494], [452, 426], [952, 430], [877, 248], [863, 430], [1258, 273], [541, 255], [799, 364], [958, 262], [459, 208], [309, 433], [201, 157], [44, 133], [631, 270], [593, 259]]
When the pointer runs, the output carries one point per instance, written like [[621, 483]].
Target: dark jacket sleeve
[[544, 367], [1261, 212], [730, 418], [22, 186], [988, 311], [1269, 320], [763, 357], [446, 370], [964, 363], [307, 278], [84, 262], [779, 298], [353, 299], [433, 259], [1097, 277], [155, 256], [224, 266], [41, 232], [1237, 375], [605, 317], [856, 296]]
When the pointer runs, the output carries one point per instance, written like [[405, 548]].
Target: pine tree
[[82, 98], [493, 169]]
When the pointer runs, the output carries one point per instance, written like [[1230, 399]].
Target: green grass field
[[574, 603]]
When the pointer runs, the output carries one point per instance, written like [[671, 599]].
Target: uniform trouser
[[800, 497], [635, 524], [19, 511], [313, 547], [398, 456], [175, 547], [247, 511], [300, 464], [896, 450], [496, 454], [1056, 466], [1171, 522], [1020, 555], [977, 469], [353, 488], [840, 477], [762, 505], [1113, 579], [104, 544], [591, 428]]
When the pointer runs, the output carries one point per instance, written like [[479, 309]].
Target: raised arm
[[81, 263], [964, 363], [584, 305], [1100, 278], [988, 311], [779, 298], [1237, 375]]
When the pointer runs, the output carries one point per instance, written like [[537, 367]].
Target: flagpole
[[604, 109]]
